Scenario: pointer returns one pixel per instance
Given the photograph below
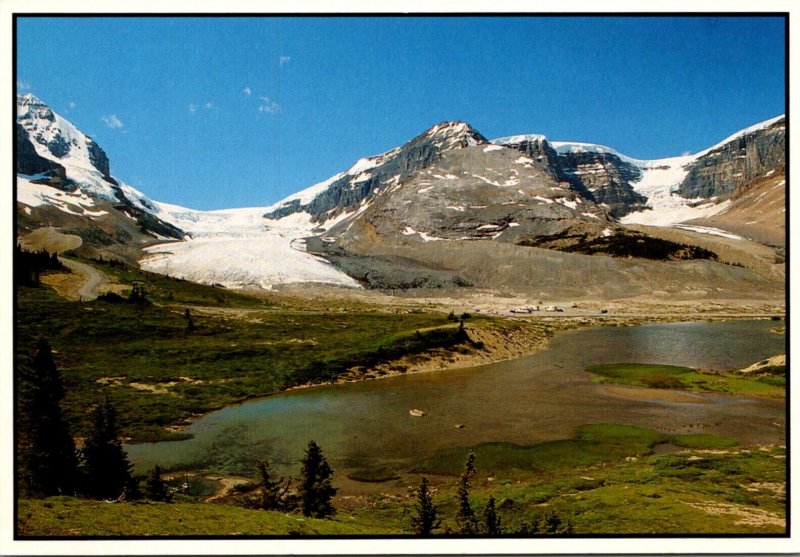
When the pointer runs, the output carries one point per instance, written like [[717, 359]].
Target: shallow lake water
[[536, 398]]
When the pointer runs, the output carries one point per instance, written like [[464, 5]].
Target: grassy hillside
[[619, 488]]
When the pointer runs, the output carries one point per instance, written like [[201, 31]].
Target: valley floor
[[160, 373]]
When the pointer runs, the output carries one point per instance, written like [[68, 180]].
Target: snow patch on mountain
[[33, 195]]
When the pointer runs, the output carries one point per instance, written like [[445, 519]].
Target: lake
[[536, 398]]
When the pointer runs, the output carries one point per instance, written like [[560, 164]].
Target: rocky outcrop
[[98, 157], [602, 177], [738, 162], [375, 174], [30, 163], [605, 177], [538, 149]]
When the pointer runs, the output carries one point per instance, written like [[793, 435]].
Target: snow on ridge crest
[[741, 133], [514, 139]]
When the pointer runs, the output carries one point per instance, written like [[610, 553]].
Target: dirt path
[[91, 283]]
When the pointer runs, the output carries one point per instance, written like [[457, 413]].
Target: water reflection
[[532, 399]]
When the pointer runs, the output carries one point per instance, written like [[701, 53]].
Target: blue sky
[[227, 112]]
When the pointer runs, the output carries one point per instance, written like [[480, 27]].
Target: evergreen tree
[[491, 522], [47, 453], [552, 523], [155, 487], [190, 326], [106, 466], [465, 518], [316, 489], [426, 520], [273, 492], [546, 523]]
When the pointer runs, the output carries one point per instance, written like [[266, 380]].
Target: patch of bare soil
[[155, 388], [64, 284], [747, 516], [227, 483], [776, 488], [51, 240]]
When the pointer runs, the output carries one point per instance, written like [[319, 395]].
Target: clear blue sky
[[230, 112]]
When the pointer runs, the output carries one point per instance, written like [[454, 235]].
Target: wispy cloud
[[23, 85], [72, 104], [194, 107], [283, 60], [247, 91], [268, 105], [112, 121]]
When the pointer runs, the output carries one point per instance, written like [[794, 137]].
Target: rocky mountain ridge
[[390, 220], [372, 175]]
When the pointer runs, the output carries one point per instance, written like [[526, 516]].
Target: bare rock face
[[538, 149], [747, 157], [600, 177], [606, 177], [474, 193], [98, 157], [30, 163]]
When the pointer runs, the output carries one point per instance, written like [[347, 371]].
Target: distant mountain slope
[[402, 219], [372, 175]]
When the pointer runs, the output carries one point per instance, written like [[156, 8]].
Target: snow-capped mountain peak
[[56, 138], [454, 134]]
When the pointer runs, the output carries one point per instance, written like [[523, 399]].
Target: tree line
[[29, 265]]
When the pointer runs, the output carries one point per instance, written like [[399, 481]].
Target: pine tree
[[155, 487], [426, 520], [491, 522], [273, 492], [106, 466], [190, 326], [552, 523], [316, 489], [47, 451], [465, 518]]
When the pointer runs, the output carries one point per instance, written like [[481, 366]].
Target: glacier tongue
[[239, 248]]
